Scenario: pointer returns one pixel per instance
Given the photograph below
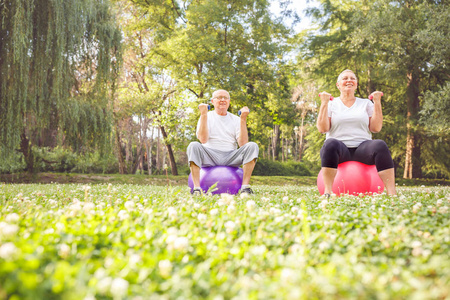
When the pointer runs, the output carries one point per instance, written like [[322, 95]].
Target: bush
[[266, 167], [60, 159]]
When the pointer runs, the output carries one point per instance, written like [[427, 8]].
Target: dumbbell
[[331, 97], [371, 96], [239, 112]]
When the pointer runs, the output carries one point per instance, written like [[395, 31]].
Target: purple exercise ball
[[229, 179]]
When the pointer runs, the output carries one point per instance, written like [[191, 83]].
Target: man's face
[[221, 100]]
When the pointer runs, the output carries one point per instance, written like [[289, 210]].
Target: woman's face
[[347, 82]]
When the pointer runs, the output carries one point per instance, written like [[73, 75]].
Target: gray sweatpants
[[206, 157]]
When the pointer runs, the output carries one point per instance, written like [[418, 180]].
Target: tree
[[395, 46], [206, 45], [57, 65]]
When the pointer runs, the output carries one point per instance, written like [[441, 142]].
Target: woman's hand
[[376, 96]]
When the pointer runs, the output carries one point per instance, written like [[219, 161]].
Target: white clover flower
[[417, 251], [278, 219], [285, 199], [214, 212], [405, 211], [274, 211], [134, 259], [197, 205], [181, 243], [324, 245], [64, 250], [88, 207], [295, 248], [426, 253], [53, 203], [416, 244], [226, 198], [123, 215], [165, 267], [258, 250], [119, 287], [60, 226], [439, 202], [8, 250], [129, 205], [230, 225], [443, 209], [8, 230], [202, 217], [416, 208], [12, 218], [294, 209], [244, 195], [323, 204], [250, 205], [172, 212], [231, 209], [104, 285]]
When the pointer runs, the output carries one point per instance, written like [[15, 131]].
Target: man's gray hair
[[216, 91]]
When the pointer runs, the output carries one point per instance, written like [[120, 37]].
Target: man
[[218, 132]]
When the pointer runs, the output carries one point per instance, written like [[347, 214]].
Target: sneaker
[[197, 192], [247, 190], [326, 196]]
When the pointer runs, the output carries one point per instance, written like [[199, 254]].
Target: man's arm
[[202, 132], [243, 134]]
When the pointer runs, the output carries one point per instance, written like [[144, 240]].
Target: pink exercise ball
[[354, 178], [229, 179]]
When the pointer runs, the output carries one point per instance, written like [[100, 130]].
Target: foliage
[[265, 167], [126, 241], [436, 105], [58, 61]]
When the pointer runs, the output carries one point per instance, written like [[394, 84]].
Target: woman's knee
[[380, 146], [330, 146]]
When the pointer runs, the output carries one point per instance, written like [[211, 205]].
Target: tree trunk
[[25, 148], [173, 165], [413, 167], [275, 142], [122, 166], [300, 144]]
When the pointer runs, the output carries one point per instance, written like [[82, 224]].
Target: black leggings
[[370, 152]]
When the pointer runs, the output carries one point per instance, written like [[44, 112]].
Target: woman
[[349, 123]]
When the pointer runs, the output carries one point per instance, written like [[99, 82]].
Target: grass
[[139, 241], [170, 180]]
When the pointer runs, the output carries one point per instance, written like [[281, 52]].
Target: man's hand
[[203, 107], [244, 111]]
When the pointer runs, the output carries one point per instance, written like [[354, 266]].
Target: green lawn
[[125, 241]]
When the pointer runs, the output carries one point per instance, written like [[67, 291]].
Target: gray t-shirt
[[350, 125], [223, 131]]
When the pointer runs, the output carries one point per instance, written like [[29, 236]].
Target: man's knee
[[193, 147], [253, 146]]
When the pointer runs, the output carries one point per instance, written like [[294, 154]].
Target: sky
[[299, 6]]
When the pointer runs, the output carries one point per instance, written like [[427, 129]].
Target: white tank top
[[350, 125]]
